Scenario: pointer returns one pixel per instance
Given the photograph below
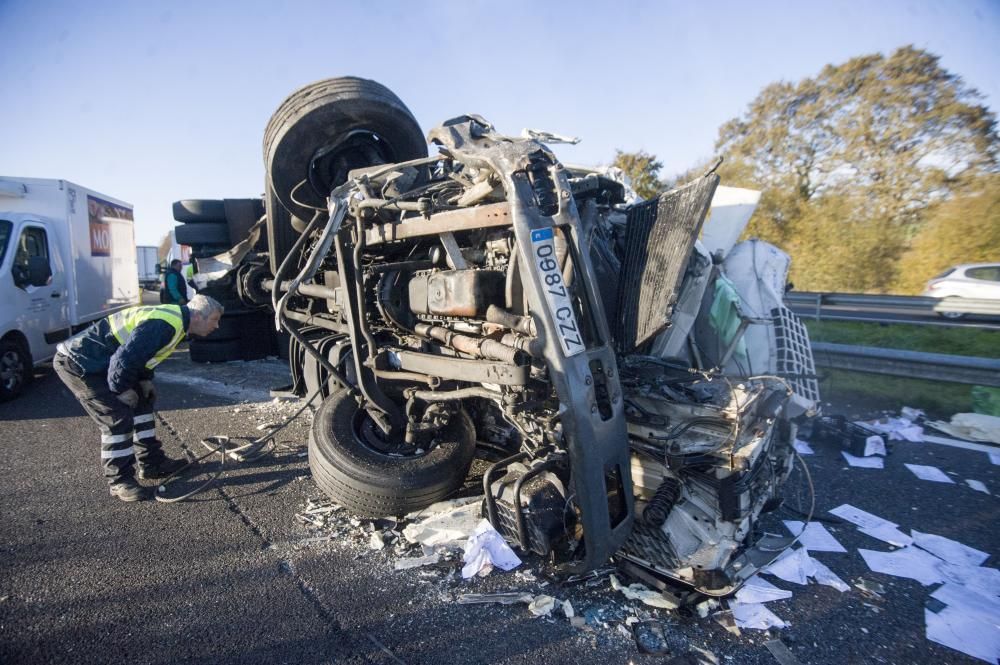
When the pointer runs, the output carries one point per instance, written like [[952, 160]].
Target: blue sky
[[152, 102]]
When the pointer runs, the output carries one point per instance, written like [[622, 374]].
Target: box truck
[[67, 258], [149, 267]]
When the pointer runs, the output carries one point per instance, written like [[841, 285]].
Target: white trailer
[[149, 267], [67, 258]]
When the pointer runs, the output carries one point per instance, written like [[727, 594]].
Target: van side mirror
[[159, 269], [39, 271]]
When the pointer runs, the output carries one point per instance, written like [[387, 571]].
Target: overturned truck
[[641, 386]]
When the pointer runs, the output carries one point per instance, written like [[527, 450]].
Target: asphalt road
[[231, 578]]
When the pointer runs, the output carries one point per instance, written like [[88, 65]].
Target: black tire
[[16, 369], [208, 351], [373, 484], [199, 211], [214, 233], [301, 137]]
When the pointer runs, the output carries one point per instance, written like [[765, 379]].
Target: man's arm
[[128, 364]]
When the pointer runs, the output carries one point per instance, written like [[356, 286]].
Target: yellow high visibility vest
[[124, 322]]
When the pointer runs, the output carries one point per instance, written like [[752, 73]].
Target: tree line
[[876, 174]]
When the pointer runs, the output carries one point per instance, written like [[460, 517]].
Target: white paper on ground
[[794, 565], [755, 615], [863, 462], [642, 593], [977, 485], [803, 448], [994, 458], [970, 602], [956, 630], [978, 578], [948, 550], [815, 538], [758, 590], [860, 517], [827, 577], [932, 473], [874, 445], [898, 429], [888, 534], [485, 548], [909, 562], [449, 526]]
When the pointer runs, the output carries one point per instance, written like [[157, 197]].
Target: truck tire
[[214, 233], [374, 484], [329, 127], [209, 351], [16, 369], [199, 211]]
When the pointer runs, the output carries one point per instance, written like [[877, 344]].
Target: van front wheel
[[15, 369]]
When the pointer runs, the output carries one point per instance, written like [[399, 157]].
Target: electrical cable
[[254, 450]]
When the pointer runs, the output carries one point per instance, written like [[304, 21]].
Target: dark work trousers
[[126, 434]]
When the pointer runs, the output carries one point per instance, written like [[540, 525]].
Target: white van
[[67, 258]]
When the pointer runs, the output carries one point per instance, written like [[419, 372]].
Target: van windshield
[[5, 228]]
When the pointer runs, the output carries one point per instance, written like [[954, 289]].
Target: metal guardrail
[[888, 303], [912, 364]]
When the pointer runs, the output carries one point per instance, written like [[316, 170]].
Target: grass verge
[[931, 339], [862, 393]]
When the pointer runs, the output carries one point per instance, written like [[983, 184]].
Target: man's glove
[[130, 398], [148, 390]]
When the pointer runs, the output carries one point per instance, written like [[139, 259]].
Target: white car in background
[[979, 281]]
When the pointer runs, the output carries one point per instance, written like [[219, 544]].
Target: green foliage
[[964, 229], [853, 161], [932, 339], [643, 170]]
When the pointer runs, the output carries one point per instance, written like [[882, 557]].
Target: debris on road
[[486, 550], [408, 563], [931, 473], [796, 566], [863, 462], [542, 605], [649, 638], [910, 562], [977, 485], [781, 653], [758, 590], [507, 598], [803, 448], [726, 619], [447, 524], [970, 427], [644, 594], [948, 550], [814, 536], [872, 525], [756, 616]]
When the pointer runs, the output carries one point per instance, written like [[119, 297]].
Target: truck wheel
[[348, 465], [322, 131], [199, 211], [15, 369], [215, 233], [208, 351]]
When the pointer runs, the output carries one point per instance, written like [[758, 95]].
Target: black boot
[[128, 490], [160, 467]]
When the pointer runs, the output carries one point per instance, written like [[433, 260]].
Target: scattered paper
[[863, 462], [910, 562], [485, 550], [567, 608], [978, 578], [792, 566], [888, 534], [956, 630], [911, 414], [542, 606], [407, 563], [643, 593], [803, 448], [970, 602], [827, 577], [948, 550], [446, 524], [860, 517], [755, 615], [977, 485], [815, 538], [874, 445], [758, 590], [931, 473], [994, 458], [971, 427], [898, 429]]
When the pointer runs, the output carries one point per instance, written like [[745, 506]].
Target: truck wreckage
[[642, 387]]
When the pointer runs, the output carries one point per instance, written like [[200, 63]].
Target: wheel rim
[[371, 438], [11, 370]]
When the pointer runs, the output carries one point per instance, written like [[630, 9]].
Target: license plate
[[556, 296]]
